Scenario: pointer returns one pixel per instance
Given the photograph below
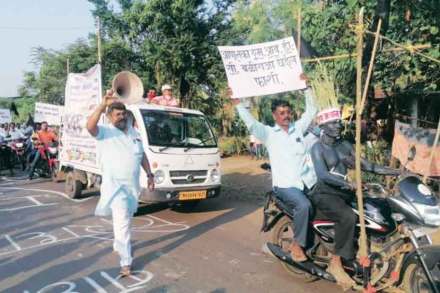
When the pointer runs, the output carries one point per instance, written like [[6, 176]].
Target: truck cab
[[183, 153]]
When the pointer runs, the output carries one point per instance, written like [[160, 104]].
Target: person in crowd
[[46, 138], [3, 130], [292, 173], [151, 95], [121, 155], [258, 149], [166, 99], [15, 132], [252, 145]]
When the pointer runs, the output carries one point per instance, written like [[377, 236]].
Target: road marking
[[116, 282], [49, 191], [26, 241], [16, 246], [95, 285]]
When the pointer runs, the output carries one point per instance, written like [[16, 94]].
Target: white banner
[[83, 94], [49, 113], [5, 116], [262, 69]]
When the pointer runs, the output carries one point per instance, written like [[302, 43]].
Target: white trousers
[[121, 229]]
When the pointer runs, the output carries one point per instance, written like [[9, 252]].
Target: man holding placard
[[270, 68], [287, 151]]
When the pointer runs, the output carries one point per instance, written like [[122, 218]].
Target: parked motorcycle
[[398, 225]]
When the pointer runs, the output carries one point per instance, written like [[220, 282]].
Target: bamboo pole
[[360, 202], [98, 36], [409, 48], [431, 157], [371, 65], [298, 30], [352, 55]]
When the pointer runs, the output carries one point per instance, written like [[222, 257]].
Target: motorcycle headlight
[[19, 144], [159, 177], [53, 150], [215, 175]]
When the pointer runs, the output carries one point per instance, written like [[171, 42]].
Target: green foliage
[[175, 41], [233, 145]]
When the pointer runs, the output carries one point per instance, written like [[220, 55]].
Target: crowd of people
[[24, 145]]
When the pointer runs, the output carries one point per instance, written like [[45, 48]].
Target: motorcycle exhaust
[[306, 266]]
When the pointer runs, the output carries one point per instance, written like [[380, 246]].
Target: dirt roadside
[[243, 179]]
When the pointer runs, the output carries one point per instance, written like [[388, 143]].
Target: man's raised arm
[[92, 122], [311, 109], [258, 129]]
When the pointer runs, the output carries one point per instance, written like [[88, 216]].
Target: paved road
[[49, 243]]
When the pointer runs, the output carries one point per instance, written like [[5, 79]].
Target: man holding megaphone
[[120, 155]]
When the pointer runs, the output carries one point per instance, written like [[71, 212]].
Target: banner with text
[[49, 113], [262, 69], [83, 94], [5, 116]]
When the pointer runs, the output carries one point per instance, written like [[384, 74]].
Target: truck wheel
[[73, 187], [54, 173]]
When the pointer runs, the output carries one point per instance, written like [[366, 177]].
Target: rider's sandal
[[298, 258]]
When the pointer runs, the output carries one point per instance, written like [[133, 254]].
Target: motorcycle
[[18, 148], [398, 225], [47, 165], [5, 157]]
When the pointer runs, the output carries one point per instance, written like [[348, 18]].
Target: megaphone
[[127, 87]]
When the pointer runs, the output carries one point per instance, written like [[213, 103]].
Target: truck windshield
[[175, 129]]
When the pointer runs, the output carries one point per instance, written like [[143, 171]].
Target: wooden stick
[[352, 55], [360, 202], [409, 48], [298, 30], [98, 36], [371, 65], [431, 157]]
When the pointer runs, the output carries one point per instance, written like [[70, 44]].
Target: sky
[[25, 24]]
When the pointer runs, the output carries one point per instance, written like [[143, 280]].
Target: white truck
[[183, 154], [179, 143]]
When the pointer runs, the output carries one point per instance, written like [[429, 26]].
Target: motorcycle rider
[[332, 156], [287, 151], [45, 137]]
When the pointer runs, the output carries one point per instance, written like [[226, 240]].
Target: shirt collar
[[277, 128]]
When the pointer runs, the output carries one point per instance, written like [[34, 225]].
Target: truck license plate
[[191, 195]]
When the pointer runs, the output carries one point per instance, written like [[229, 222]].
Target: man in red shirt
[[45, 137]]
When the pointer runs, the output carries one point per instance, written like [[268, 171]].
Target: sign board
[[5, 116], [422, 139], [262, 69], [49, 113], [83, 94]]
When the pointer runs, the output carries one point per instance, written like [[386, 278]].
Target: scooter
[[398, 225]]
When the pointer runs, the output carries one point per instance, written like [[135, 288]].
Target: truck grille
[[188, 176]]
